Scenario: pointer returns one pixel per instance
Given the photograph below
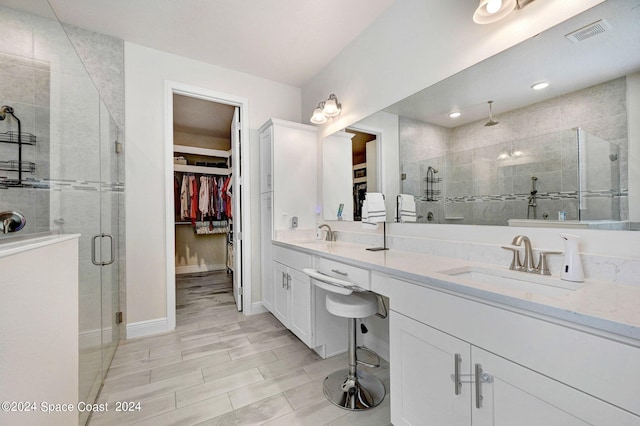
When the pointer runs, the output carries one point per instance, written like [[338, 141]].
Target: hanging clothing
[[176, 196], [220, 199], [228, 185], [203, 203], [185, 197], [194, 199]]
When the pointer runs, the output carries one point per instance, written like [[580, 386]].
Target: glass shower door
[[110, 202]]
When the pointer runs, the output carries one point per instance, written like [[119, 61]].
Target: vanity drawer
[[292, 258], [358, 276]]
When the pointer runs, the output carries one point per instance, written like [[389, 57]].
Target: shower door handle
[[93, 250], [113, 250]]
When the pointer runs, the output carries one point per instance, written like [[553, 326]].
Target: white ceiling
[[288, 41], [506, 78]]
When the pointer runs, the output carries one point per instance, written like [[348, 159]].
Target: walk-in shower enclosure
[[69, 179]]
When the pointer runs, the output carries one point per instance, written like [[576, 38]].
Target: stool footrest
[[370, 353]]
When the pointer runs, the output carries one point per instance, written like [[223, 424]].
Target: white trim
[[190, 269], [172, 87], [149, 327], [379, 135]]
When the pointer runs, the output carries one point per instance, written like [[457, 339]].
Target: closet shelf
[[360, 180], [201, 151], [187, 168]]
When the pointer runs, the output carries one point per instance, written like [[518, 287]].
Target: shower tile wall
[[487, 170], [25, 87]]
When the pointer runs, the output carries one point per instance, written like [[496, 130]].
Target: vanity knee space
[[299, 305]]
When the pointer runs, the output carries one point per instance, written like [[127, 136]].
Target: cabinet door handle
[[288, 281], [478, 386], [457, 383], [283, 280]]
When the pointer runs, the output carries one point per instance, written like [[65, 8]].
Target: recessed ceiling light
[[455, 114], [541, 85]]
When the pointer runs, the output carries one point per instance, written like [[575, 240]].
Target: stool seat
[[354, 305]]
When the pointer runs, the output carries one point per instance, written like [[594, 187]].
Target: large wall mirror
[[551, 157]]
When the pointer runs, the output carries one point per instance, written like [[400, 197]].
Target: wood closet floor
[[222, 368]]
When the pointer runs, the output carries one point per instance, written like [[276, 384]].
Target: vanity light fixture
[[326, 109], [455, 114], [318, 117], [540, 85], [490, 11]]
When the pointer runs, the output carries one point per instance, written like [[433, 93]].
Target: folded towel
[[406, 208], [373, 210]]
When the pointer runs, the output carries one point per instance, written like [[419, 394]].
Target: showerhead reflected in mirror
[[486, 163]]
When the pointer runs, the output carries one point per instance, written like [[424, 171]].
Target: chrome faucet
[[527, 264], [331, 236]]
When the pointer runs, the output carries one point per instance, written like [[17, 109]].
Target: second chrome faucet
[[528, 264]]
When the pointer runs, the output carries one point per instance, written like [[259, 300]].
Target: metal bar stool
[[350, 388]]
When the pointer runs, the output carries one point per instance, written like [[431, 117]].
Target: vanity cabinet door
[[300, 305], [423, 360], [280, 294], [514, 395], [266, 174], [292, 301], [266, 251]]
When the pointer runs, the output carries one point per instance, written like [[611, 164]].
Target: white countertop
[[10, 248], [613, 308]]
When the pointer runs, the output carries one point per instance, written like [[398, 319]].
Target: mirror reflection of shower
[[532, 206], [431, 193]]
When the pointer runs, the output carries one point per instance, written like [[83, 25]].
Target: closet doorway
[[207, 202]]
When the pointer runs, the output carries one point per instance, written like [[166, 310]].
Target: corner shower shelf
[[18, 138], [15, 166], [12, 137]]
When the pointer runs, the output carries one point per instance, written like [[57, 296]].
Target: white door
[[423, 364], [237, 208]]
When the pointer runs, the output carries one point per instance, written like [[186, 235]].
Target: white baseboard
[[147, 328], [256, 308], [190, 269], [94, 338], [377, 345]]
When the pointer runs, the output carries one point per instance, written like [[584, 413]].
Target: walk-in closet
[[203, 186]]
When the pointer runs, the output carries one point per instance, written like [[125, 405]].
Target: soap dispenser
[[572, 266]]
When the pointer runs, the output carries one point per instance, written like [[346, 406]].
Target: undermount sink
[[313, 242], [515, 280]]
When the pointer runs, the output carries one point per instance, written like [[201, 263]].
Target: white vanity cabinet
[[288, 188], [531, 371], [289, 169], [291, 290]]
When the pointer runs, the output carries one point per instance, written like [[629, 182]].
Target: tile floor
[[222, 368]]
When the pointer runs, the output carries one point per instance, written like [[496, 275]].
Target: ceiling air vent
[[590, 30]]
